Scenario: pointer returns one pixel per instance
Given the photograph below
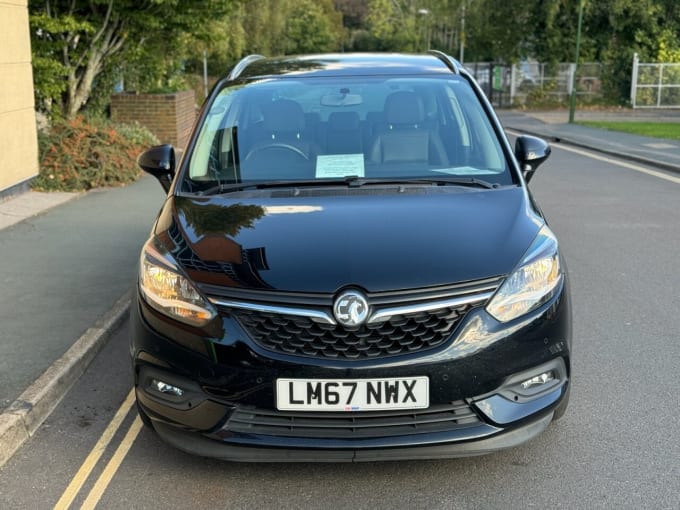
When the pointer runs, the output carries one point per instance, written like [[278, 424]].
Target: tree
[[613, 31], [81, 46], [312, 26], [264, 25], [490, 35], [393, 24], [354, 13], [74, 41], [622, 28]]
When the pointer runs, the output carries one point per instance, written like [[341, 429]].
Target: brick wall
[[169, 116]]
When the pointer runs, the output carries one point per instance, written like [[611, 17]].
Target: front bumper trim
[[198, 445]]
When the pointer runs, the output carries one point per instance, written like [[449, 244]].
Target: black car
[[349, 266]]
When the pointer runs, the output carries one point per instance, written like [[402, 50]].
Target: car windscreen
[[331, 128]]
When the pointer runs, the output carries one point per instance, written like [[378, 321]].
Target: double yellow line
[[111, 468]]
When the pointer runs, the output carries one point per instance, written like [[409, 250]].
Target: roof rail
[[449, 61], [242, 64]]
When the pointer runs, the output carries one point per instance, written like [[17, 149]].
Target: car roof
[[344, 64]]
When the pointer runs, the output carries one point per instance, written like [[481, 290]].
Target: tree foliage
[[278, 27], [82, 47], [312, 27], [78, 44], [75, 41], [624, 27], [498, 30]]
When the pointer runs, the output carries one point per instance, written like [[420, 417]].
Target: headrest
[[283, 116], [312, 119], [344, 121], [404, 107]]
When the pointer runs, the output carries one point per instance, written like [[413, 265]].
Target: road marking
[[91, 461], [618, 162], [612, 161], [660, 145], [112, 467]]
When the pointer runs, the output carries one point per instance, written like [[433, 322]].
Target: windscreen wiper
[[352, 181], [434, 181], [254, 185]]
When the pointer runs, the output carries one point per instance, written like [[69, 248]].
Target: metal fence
[[494, 80], [527, 82], [655, 85]]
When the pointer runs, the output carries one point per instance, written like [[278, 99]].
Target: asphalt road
[[617, 447]]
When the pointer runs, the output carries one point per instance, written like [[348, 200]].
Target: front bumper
[[197, 444], [478, 372]]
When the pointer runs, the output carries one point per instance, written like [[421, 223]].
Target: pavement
[[555, 127], [69, 263]]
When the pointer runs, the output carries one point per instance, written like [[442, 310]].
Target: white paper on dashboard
[[340, 165]]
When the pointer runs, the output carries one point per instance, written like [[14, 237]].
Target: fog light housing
[[538, 380], [165, 388], [525, 393]]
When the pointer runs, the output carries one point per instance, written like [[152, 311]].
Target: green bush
[[82, 154]]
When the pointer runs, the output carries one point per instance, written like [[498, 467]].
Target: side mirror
[[531, 152], [159, 161]]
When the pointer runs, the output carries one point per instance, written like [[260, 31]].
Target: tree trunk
[[106, 43], [80, 84]]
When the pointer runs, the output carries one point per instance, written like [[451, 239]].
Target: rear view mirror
[[159, 161], [341, 98], [531, 152]]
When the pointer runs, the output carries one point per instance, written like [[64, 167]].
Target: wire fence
[[655, 85], [533, 82]]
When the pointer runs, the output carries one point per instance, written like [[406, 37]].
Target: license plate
[[352, 394]]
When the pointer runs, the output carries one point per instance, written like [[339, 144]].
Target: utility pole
[[572, 101], [205, 73], [461, 58]]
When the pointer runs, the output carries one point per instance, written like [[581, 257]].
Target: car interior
[[291, 131]]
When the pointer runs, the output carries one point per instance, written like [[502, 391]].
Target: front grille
[[360, 425], [301, 336]]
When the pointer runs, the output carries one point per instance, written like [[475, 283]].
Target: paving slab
[[25, 205]]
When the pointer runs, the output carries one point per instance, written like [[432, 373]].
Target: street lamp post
[[425, 13], [572, 100]]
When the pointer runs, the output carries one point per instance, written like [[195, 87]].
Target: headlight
[[532, 283], [169, 292]]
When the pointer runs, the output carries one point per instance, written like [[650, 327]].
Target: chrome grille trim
[[387, 313], [315, 315], [376, 317]]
